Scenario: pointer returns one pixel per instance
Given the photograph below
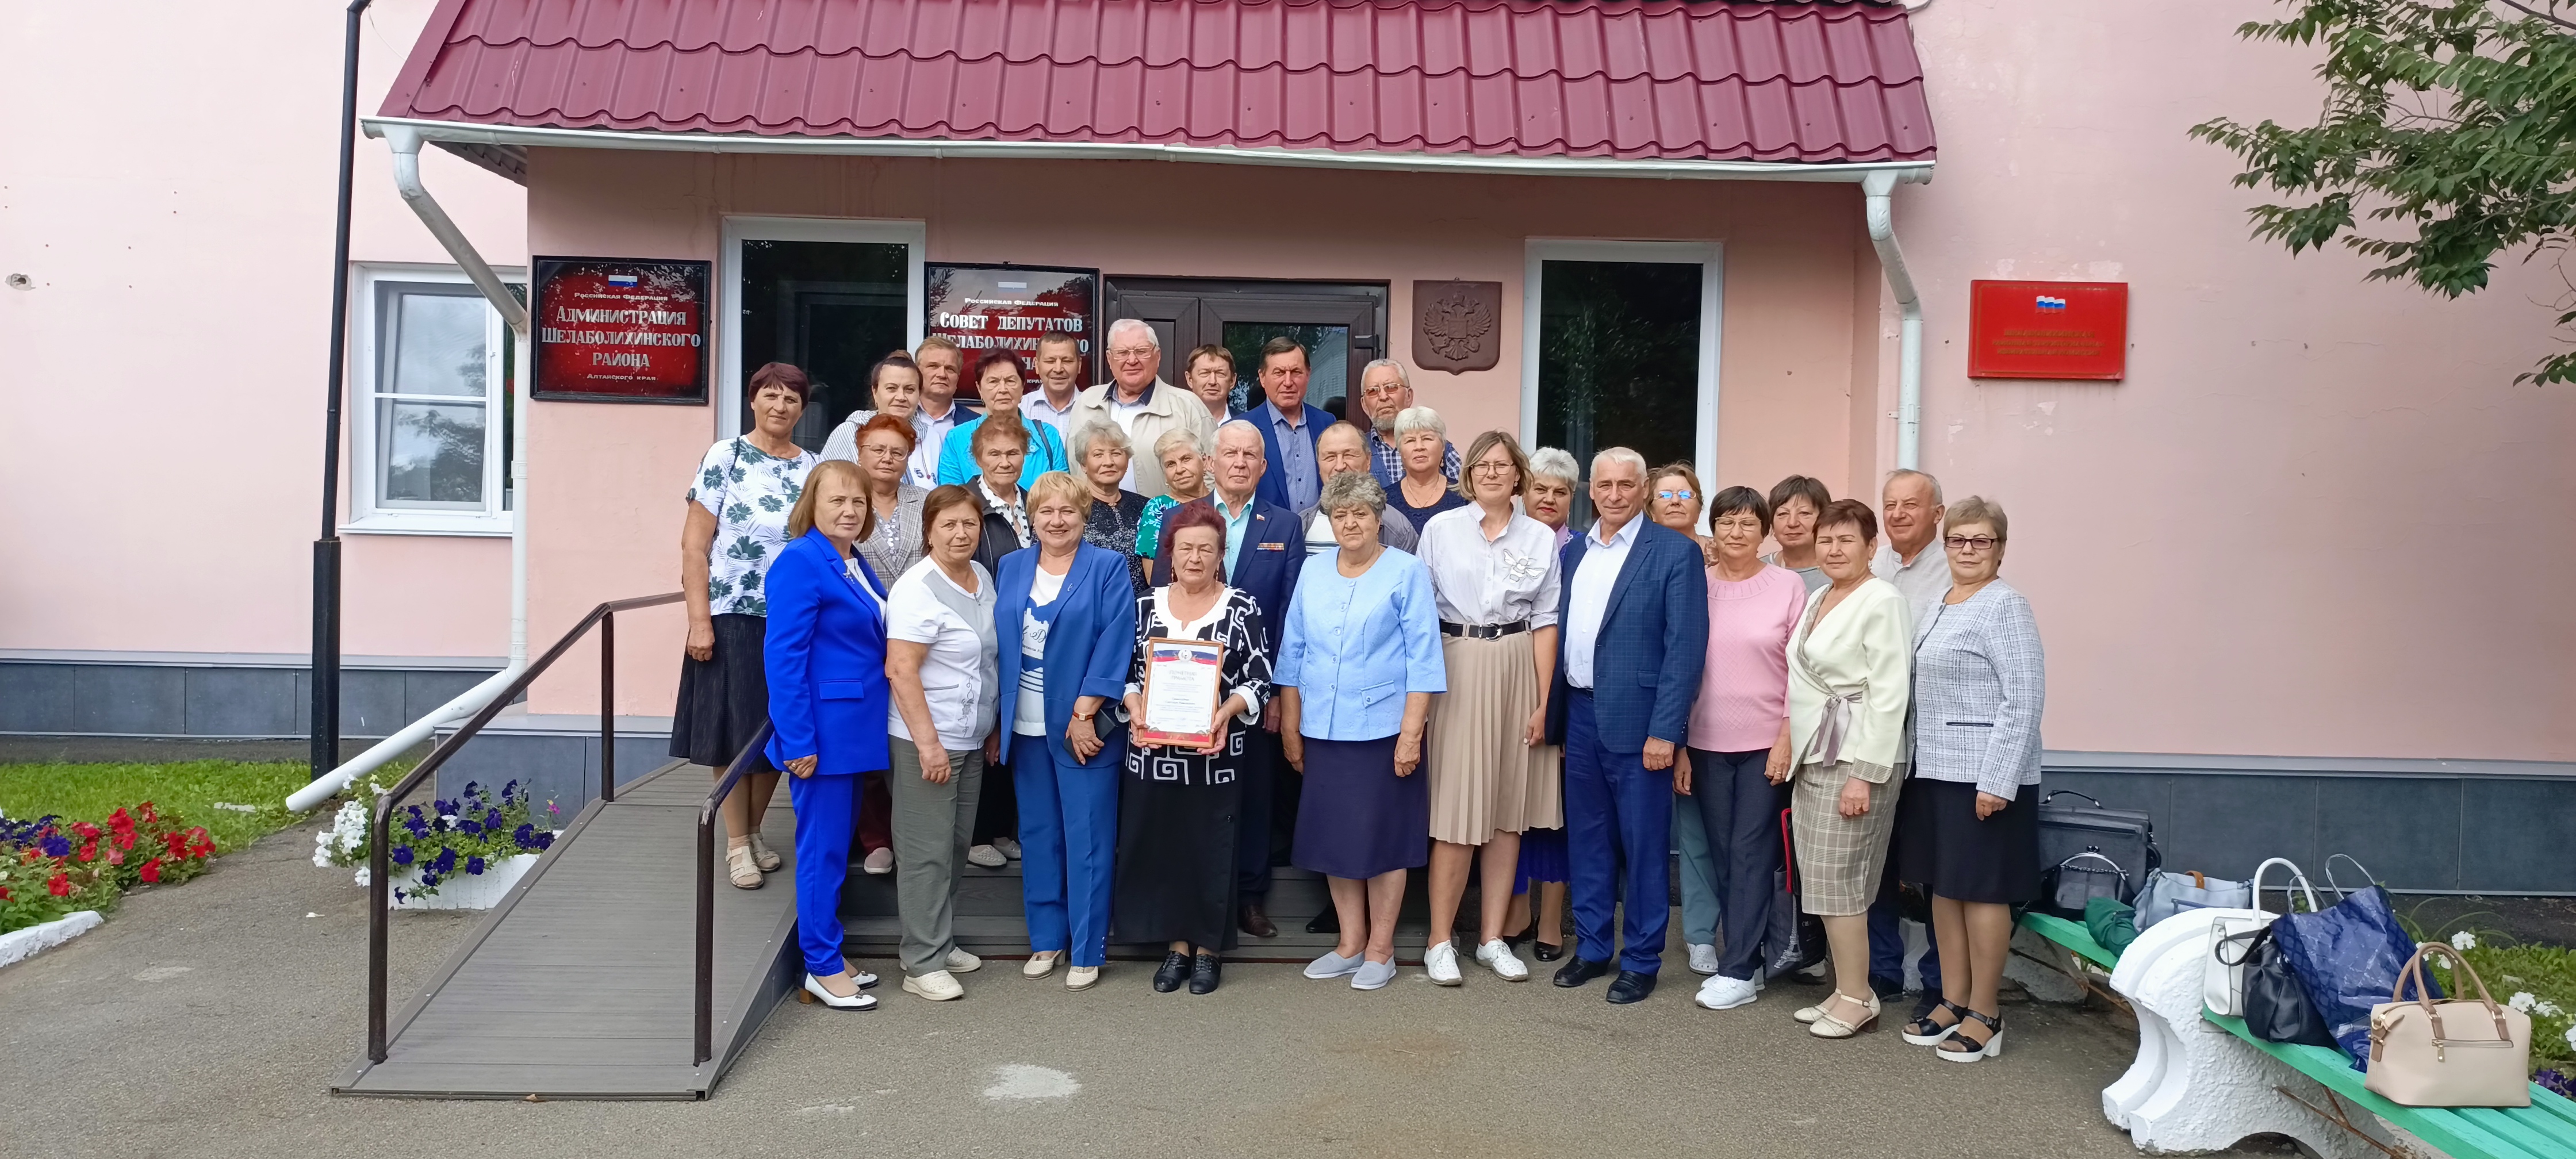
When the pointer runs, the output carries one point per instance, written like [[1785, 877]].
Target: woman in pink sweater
[[1743, 696]]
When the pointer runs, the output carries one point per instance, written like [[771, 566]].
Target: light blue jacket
[[957, 463], [1354, 647]]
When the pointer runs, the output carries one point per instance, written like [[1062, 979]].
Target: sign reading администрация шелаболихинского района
[[620, 330]]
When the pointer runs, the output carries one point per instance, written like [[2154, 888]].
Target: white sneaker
[[1007, 847], [937, 986], [961, 962], [1441, 959], [1082, 977], [1703, 958], [879, 863], [986, 856], [1724, 993], [1506, 964], [1041, 964]]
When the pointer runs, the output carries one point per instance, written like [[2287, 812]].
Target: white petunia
[[2571, 1038], [364, 876], [2464, 940], [2546, 1009], [2522, 1001]]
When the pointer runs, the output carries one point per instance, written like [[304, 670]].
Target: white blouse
[[959, 674], [1503, 580]]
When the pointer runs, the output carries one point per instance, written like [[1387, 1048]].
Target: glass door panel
[[830, 308], [1328, 359], [1619, 360]]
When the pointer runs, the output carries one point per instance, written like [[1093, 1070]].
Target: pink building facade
[[2234, 550]]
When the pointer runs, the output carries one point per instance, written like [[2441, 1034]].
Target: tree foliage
[[2448, 138]]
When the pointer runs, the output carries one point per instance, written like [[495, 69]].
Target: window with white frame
[[430, 402]]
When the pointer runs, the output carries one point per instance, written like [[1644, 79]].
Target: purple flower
[[508, 789], [474, 865], [523, 836], [446, 862], [418, 827], [56, 845], [545, 840], [402, 855], [2556, 1080], [492, 820], [429, 879], [470, 828]]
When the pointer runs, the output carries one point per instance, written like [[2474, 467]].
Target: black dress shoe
[[1580, 971], [1548, 953], [1327, 922], [1630, 986], [1256, 921], [1204, 975], [1176, 966], [1888, 989]]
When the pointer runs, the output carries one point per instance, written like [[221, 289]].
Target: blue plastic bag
[[2348, 956]]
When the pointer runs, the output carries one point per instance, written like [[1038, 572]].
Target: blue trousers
[[1739, 809], [1887, 941], [1618, 831], [827, 813], [1068, 848], [1699, 875], [1258, 774]]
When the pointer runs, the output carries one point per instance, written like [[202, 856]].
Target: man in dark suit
[[1290, 477], [1634, 619], [1264, 549]]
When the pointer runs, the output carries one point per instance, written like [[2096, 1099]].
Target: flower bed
[[2540, 981], [50, 869], [445, 843]]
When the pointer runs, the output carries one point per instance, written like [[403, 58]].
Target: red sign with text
[[989, 307], [611, 330], [2048, 330]]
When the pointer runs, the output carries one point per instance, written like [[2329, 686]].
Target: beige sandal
[[740, 866], [1831, 1025], [762, 855]]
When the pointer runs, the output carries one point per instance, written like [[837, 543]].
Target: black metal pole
[[326, 550], [608, 707]]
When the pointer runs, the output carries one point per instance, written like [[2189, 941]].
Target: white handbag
[[2222, 979]]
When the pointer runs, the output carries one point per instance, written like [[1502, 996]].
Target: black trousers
[[1264, 763], [1740, 809]]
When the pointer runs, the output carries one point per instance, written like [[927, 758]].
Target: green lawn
[[191, 788]]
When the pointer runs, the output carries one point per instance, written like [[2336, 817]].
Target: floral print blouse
[[749, 492]]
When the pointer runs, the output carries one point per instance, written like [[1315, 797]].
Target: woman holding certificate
[[1359, 659], [1070, 611], [1195, 686]]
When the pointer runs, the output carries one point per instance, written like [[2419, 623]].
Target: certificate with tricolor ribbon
[[1182, 688]]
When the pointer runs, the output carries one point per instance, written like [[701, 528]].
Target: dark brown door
[[1341, 324]]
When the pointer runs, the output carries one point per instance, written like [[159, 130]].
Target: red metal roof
[[1737, 81]]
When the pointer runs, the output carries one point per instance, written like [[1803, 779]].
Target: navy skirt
[[1942, 846], [1356, 818], [1542, 859], [725, 700]]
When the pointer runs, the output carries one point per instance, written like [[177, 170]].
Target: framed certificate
[[1181, 686]]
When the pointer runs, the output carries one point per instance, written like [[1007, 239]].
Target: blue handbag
[[2348, 957]]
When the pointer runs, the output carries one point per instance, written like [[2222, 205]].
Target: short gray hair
[[1352, 489], [1555, 463], [1163, 443], [1401, 378], [1151, 339], [1097, 431], [1979, 509], [1911, 473], [1620, 455], [1244, 425], [1420, 418]]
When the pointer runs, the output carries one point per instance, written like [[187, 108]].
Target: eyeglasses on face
[[1674, 493], [1491, 468], [882, 452], [1971, 542], [1131, 352]]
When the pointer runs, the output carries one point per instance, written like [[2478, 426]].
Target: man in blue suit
[[1290, 477], [1634, 614], [1264, 549]]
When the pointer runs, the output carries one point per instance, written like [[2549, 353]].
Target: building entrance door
[[1342, 325], [832, 308]]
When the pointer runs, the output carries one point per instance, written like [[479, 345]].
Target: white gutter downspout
[[406, 147], [1877, 189]]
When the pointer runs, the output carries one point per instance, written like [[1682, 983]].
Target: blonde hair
[[1061, 485], [800, 518], [1979, 509]]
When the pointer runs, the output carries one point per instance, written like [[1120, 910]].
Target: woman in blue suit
[[825, 654], [1072, 610]]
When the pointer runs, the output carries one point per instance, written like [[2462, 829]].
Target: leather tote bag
[[2079, 879], [2425, 1053], [2222, 978], [1793, 940], [2275, 1001], [2167, 893], [2126, 836], [2348, 957]]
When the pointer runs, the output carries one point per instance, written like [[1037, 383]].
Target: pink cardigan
[[1744, 694]]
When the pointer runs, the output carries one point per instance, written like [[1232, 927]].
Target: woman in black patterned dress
[[1100, 456], [1176, 809]]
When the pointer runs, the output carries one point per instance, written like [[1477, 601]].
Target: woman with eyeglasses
[[1674, 500], [893, 544], [1980, 682]]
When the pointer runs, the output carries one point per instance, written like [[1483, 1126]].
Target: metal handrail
[[704, 1025], [379, 859]]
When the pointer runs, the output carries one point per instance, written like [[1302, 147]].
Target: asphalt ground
[[209, 1020]]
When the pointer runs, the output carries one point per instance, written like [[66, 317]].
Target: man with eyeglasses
[[1385, 392], [1909, 556], [1141, 403]]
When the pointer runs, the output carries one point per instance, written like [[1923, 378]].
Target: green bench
[[2080, 949], [2544, 1130]]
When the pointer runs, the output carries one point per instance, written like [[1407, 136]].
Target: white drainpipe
[[1877, 189], [406, 146]]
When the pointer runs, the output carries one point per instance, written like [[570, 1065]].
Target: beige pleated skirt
[[1483, 779], [1839, 858]]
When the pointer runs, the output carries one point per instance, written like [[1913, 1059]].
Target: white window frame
[[365, 365], [911, 233], [1708, 255]]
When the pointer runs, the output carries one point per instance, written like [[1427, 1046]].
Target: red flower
[[177, 842], [149, 815], [60, 886], [4, 893], [88, 851], [116, 857], [87, 831], [151, 870], [200, 844]]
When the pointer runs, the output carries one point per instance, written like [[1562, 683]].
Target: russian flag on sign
[[2049, 303], [1193, 655], [622, 281]]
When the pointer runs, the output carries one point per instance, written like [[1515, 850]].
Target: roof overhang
[[503, 150]]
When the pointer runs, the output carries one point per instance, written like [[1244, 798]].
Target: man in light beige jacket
[[1141, 403]]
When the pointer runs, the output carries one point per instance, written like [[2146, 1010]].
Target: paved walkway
[[210, 1019]]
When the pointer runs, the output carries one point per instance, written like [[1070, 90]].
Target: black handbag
[[2276, 1004], [2075, 882], [1793, 939]]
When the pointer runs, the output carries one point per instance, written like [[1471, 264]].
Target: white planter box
[[462, 890], [19, 945]]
